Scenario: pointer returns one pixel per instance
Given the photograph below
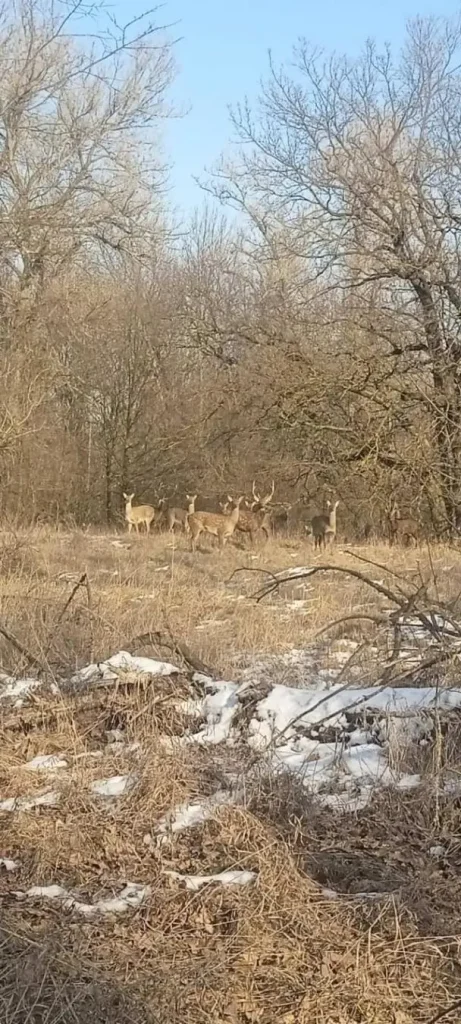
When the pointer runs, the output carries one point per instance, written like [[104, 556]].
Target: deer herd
[[258, 517]]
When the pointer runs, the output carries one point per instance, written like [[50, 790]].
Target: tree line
[[310, 336]]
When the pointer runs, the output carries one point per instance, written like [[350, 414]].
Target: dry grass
[[152, 584], [275, 952]]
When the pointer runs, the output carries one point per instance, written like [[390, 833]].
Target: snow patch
[[27, 803], [218, 707], [132, 896], [46, 763], [123, 661], [16, 690], [195, 882], [116, 785], [192, 814], [9, 865]]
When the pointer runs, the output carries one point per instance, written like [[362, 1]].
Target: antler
[[255, 496]]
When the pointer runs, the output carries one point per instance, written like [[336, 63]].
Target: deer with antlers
[[256, 517]]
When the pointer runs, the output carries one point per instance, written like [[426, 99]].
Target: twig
[[378, 565], [80, 583], [89, 599], [445, 1012], [32, 660], [155, 638], [327, 696], [379, 620], [400, 601]]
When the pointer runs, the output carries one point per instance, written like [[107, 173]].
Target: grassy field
[[153, 583], [280, 951]]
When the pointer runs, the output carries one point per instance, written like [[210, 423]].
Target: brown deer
[[180, 516], [324, 526], [139, 514], [402, 529], [256, 517], [220, 526]]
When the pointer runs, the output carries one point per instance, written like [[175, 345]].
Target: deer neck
[[128, 507], [191, 507], [332, 519]]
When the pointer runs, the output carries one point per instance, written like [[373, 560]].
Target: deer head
[[262, 502]]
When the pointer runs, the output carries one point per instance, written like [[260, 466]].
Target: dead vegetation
[[280, 950]]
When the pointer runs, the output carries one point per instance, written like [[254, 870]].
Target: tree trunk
[[446, 408]]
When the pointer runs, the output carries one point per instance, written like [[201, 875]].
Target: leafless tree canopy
[[314, 339]]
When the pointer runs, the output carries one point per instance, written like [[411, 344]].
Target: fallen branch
[[154, 638]]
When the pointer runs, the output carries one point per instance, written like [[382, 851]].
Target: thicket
[[313, 337]]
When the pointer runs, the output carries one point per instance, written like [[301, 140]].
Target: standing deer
[[180, 516], [403, 529], [257, 516], [324, 526], [220, 526], [139, 514]]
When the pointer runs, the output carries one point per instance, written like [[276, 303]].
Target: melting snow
[[115, 786], [437, 851], [9, 865], [123, 661], [130, 897], [195, 882], [218, 708], [46, 763], [284, 703], [17, 689], [188, 815], [27, 803]]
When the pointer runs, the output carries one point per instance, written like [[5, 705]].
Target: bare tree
[[81, 170], [360, 161]]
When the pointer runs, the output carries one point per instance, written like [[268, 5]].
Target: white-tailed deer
[[220, 526], [259, 503], [402, 529], [324, 526], [256, 517], [139, 514], [180, 516], [251, 522]]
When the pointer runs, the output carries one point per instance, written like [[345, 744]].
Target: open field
[[340, 918], [140, 584]]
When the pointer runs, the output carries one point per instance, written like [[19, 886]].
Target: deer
[[139, 514], [180, 516], [218, 525], [405, 529], [324, 526], [256, 517]]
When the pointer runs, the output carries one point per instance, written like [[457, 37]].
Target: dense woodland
[[304, 326]]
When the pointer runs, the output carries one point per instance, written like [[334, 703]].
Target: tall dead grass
[[152, 583], [279, 952]]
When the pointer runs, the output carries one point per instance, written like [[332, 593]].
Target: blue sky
[[223, 55]]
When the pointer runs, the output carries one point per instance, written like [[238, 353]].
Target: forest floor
[[216, 805]]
